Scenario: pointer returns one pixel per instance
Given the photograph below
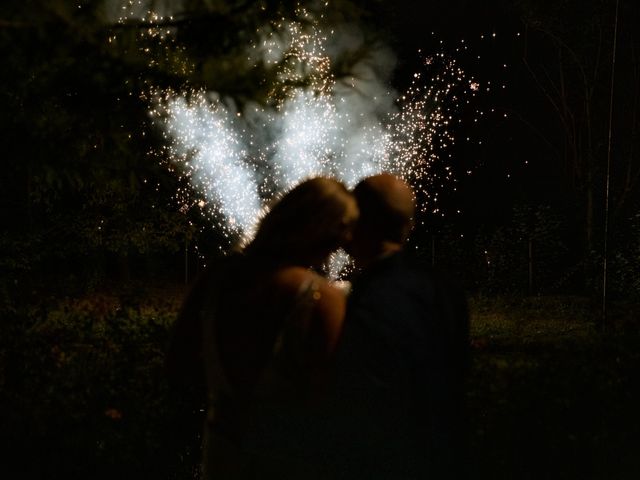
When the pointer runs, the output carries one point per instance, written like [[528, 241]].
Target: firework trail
[[237, 160]]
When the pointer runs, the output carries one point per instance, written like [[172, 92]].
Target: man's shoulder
[[406, 279], [399, 269]]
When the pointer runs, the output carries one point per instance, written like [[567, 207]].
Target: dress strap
[[299, 315]]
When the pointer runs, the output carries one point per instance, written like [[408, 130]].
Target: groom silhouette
[[401, 360]]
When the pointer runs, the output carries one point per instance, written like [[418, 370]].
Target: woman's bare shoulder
[[293, 279], [329, 305]]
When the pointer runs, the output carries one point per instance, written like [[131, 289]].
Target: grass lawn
[[83, 395], [549, 396]]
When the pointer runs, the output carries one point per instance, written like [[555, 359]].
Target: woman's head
[[307, 223]]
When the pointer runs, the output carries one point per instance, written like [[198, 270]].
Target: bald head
[[386, 207]]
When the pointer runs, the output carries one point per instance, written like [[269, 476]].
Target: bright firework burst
[[237, 160]]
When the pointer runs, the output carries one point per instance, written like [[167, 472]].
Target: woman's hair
[[310, 220]]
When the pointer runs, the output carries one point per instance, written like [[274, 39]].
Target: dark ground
[[83, 395], [549, 396]]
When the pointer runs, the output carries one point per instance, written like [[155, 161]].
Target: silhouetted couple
[[304, 382]]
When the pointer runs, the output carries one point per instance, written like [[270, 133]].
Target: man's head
[[387, 207]]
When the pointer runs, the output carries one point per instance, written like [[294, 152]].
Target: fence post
[[530, 266]]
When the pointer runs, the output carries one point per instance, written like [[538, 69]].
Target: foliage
[[82, 389], [526, 254], [569, 56], [625, 264], [81, 190]]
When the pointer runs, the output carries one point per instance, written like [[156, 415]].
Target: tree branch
[[9, 24]]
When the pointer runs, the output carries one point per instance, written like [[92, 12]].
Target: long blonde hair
[[312, 219]]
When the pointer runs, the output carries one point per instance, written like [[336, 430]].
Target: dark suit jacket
[[399, 375]]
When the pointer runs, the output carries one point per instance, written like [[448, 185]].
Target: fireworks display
[[238, 158]]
